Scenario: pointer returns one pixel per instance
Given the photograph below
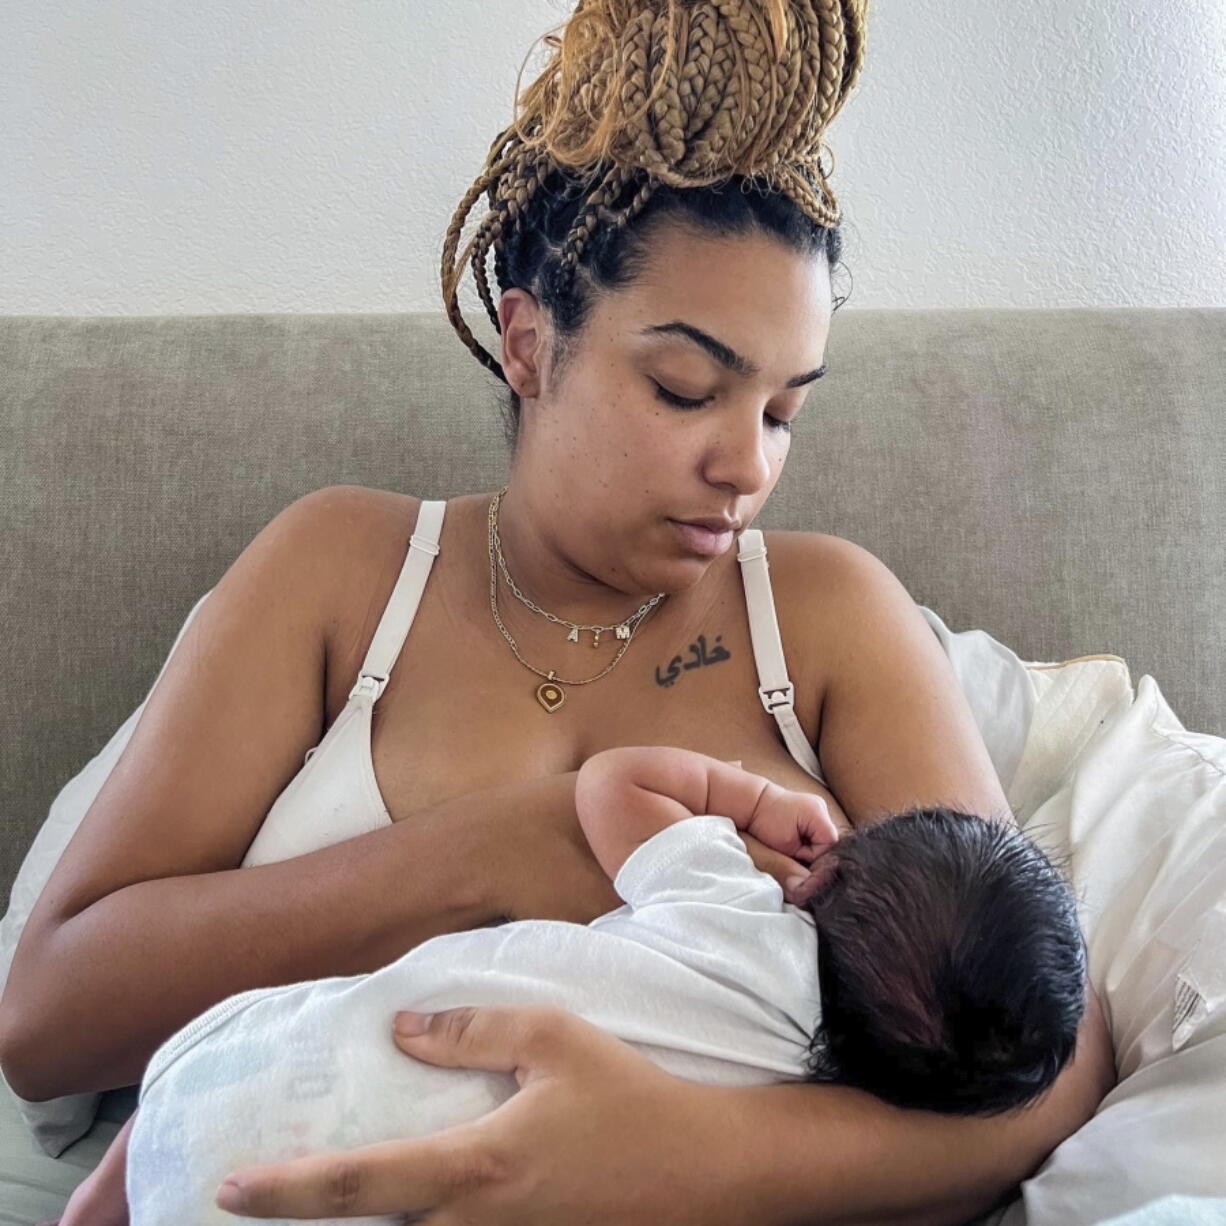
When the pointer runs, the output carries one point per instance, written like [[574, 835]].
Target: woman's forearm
[[90, 999], [828, 1155]]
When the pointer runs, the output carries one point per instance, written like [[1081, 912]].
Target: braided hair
[[707, 110]]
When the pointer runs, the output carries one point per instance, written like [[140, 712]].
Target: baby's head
[[951, 965]]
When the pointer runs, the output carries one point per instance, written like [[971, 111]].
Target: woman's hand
[[597, 1133], [540, 865]]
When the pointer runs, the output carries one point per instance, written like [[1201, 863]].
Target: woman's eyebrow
[[722, 353]]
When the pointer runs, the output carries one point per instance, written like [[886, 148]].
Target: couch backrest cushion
[[1057, 478]]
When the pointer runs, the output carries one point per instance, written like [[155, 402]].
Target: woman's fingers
[[530, 1041], [425, 1173], [402, 1177]]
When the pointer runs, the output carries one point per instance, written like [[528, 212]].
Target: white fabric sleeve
[[698, 859]]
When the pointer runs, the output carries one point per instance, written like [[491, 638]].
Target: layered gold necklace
[[549, 693]]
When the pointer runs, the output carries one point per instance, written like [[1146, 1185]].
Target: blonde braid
[[685, 93]]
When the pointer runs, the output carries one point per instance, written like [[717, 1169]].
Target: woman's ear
[[522, 341]]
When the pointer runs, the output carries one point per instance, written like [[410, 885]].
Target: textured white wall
[[195, 156]]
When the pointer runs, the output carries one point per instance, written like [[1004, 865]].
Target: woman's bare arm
[[135, 966], [147, 919], [897, 732], [115, 981], [836, 1155], [695, 1154]]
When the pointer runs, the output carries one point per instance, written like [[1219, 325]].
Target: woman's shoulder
[[813, 569], [823, 587], [352, 544], [341, 510], [811, 544], [357, 529]]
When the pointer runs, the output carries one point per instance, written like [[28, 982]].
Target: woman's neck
[[549, 574]]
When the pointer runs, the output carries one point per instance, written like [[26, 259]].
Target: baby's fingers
[[784, 868], [815, 828]]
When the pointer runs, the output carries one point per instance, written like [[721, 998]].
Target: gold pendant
[[573, 636], [596, 638], [549, 695]]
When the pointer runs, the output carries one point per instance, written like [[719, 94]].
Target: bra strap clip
[[369, 687], [780, 696], [424, 543]]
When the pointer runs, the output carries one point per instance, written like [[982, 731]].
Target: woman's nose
[[740, 457]]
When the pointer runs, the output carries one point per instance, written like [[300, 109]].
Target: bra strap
[[775, 688], [402, 605]]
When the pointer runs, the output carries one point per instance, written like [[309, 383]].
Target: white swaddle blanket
[[706, 969]]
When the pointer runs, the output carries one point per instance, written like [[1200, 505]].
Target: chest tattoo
[[698, 655]]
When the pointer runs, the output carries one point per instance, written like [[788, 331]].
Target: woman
[[661, 327]]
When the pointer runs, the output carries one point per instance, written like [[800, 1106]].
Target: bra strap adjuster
[[369, 687], [779, 696], [424, 543]]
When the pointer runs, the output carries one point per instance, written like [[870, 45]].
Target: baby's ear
[[820, 873]]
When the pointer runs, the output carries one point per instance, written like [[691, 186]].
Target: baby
[[939, 965]]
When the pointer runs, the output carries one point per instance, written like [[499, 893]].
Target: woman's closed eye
[[683, 402]]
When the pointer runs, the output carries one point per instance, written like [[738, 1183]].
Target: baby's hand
[[799, 826], [796, 823]]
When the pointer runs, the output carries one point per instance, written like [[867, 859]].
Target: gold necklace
[[549, 693], [622, 630]]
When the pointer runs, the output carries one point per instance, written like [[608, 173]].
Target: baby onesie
[[705, 969]]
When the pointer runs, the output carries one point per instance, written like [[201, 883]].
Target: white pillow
[[998, 688], [1142, 814], [58, 1122], [1111, 782], [1176, 1211]]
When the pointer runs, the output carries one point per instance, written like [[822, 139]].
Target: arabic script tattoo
[[701, 653]]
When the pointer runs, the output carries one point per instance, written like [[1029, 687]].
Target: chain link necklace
[[622, 630], [549, 694]]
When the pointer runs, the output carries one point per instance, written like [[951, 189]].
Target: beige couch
[[1055, 477]]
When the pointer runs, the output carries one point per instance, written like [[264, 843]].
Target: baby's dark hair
[[951, 965]]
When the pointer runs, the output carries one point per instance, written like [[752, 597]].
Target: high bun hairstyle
[[707, 111]]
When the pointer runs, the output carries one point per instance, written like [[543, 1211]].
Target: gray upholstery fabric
[[35, 1187], [1057, 478]]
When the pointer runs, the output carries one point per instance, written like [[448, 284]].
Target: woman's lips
[[702, 540]]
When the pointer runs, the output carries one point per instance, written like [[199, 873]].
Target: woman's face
[[736, 325]]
